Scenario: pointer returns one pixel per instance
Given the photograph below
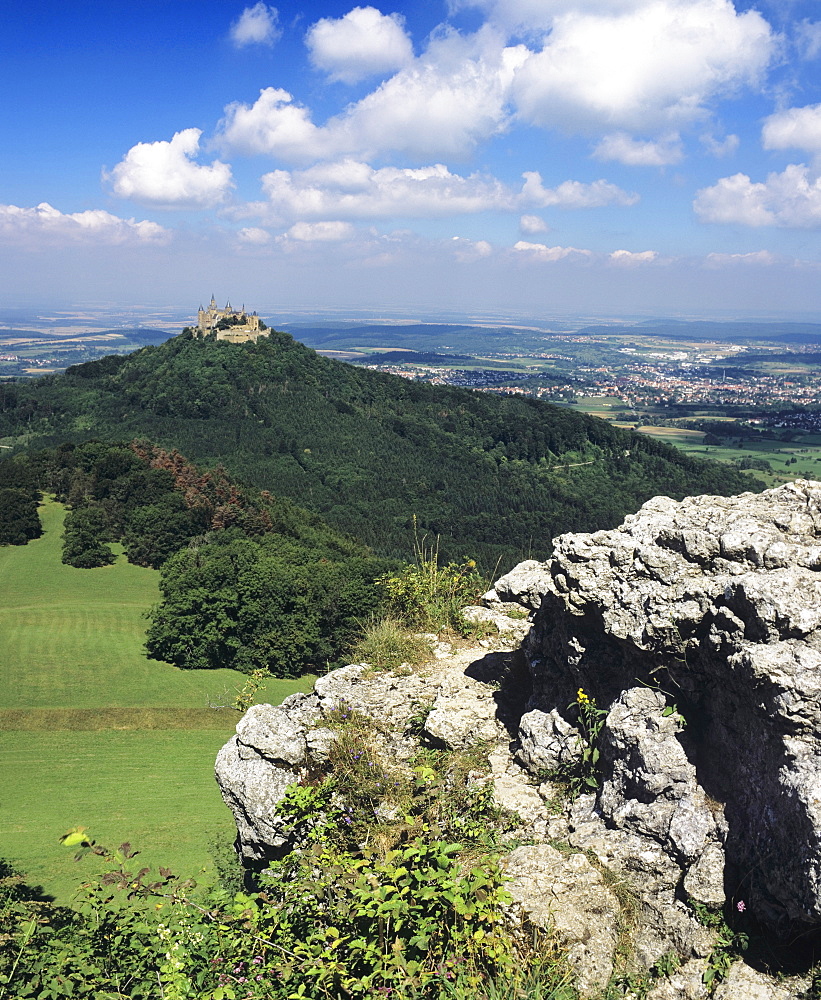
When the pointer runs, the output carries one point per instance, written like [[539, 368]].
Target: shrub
[[431, 597]]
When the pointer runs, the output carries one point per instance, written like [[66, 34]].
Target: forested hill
[[494, 477]]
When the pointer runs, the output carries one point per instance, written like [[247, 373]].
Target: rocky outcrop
[[695, 627], [705, 612]]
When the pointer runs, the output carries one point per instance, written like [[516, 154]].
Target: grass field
[[94, 733], [805, 450]]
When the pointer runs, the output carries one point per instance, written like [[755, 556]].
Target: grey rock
[[650, 880], [567, 894], [651, 787], [704, 880], [252, 788], [525, 584], [718, 601], [270, 732], [463, 714], [686, 983], [743, 982], [546, 741]]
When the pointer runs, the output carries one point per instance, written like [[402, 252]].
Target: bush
[[431, 597]]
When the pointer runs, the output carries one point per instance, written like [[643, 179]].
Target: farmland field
[[94, 733]]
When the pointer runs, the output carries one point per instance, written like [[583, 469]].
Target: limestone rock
[[651, 787], [546, 741], [742, 981], [525, 584], [464, 713], [717, 600], [686, 983], [567, 894]]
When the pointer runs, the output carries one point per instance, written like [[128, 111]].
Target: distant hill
[[495, 477]]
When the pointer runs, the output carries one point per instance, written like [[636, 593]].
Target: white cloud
[[254, 236], [165, 174], [621, 147], [808, 39], [573, 194], [362, 43], [272, 125], [532, 224], [351, 189], [256, 25], [321, 232], [442, 104], [794, 128], [643, 65], [719, 147], [469, 250], [759, 257], [94, 226], [791, 199], [540, 251], [627, 258]]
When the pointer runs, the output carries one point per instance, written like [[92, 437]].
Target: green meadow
[[92, 732]]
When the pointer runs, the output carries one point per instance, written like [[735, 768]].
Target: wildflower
[[581, 697], [741, 906]]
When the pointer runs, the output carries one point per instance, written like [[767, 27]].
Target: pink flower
[[741, 906]]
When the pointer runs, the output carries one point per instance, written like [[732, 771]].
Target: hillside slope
[[495, 478]]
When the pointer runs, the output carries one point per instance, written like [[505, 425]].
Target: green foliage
[[728, 944], [283, 604], [494, 476], [582, 772], [84, 537], [385, 644], [19, 522], [430, 596]]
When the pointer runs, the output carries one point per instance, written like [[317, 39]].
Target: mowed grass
[[155, 789], [92, 732], [73, 638]]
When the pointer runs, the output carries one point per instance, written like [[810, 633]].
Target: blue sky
[[505, 158]]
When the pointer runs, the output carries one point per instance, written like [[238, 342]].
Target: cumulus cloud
[[465, 250], [94, 226], [791, 199], [574, 194], [639, 65], [532, 224], [165, 174], [621, 147], [351, 189], [272, 125], [628, 259], [257, 25], [612, 67], [541, 251], [794, 128], [442, 104], [362, 43]]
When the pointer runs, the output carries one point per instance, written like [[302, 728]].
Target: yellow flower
[[581, 697]]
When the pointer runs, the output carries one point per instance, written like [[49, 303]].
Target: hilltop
[[495, 478]]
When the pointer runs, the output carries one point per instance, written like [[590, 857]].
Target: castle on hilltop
[[235, 325]]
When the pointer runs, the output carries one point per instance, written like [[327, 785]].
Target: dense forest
[[495, 478]]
